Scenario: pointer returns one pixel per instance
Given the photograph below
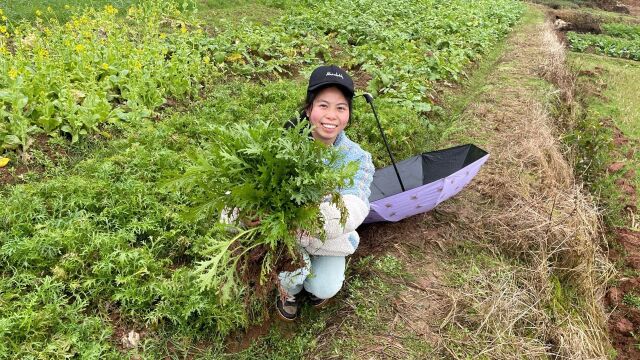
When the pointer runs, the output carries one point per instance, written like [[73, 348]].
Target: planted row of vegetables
[[617, 40], [66, 79], [113, 244]]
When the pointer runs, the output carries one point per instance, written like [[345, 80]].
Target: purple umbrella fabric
[[428, 179]]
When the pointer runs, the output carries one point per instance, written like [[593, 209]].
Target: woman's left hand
[[303, 238]]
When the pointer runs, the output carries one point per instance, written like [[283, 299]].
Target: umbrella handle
[[369, 99]]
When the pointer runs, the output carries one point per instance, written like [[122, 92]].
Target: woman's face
[[329, 114]]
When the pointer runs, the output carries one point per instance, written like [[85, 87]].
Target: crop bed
[[617, 40]]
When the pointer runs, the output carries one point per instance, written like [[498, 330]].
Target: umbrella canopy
[[428, 179]]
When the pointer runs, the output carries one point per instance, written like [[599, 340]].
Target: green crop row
[[101, 68], [605, 45], [406, 46], [626, 31], [96, 68]]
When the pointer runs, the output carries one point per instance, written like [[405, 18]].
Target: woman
[[328, 109]]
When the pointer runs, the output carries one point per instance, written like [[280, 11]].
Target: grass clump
[[631, 300], [606, 131]]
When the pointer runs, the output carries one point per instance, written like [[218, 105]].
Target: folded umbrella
[[420, 183]]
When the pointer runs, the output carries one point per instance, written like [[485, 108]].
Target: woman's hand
[[303, 238], [250, 220]]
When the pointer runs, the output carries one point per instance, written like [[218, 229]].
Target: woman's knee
[[327, 276], [326, 288]]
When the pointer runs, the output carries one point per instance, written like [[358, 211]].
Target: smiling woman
[[329, 114], [328, 104], [328, 110]]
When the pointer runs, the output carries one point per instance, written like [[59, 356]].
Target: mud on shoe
[[287, 307]]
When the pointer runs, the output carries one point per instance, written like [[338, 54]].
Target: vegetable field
[[96, 239], [617, 40]]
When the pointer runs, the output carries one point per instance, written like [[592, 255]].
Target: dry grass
[[554, 69], [549, 301]]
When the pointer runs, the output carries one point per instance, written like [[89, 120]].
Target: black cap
[[330, 75]]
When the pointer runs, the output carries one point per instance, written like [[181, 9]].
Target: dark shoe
[[316, 302], [287, 310]]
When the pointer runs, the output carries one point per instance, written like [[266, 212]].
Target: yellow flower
[[137, 66], [163, 35], [67, 7], [43, 53], [183, 28], [47, 31], [13, 73], [1, 12], [206, 59], [79, 48], [4, 18], [109, 9], [49, 9], [3, 29], [105, 66], [38, 13], [132, 11]]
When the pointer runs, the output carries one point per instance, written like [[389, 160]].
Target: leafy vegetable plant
[[262, 171]]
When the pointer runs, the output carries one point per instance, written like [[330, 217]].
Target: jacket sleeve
[[342, 240], [340, 246], [356, 200], [357, 211]]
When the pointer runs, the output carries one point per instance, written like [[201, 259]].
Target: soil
[[12, 174], [624, 321], [634, 7], [361, 79], [242, 340]]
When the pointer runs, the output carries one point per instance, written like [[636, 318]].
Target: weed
[[389, 265], [631, 300]]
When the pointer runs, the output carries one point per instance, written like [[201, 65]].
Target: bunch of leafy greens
[[262, 171]]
